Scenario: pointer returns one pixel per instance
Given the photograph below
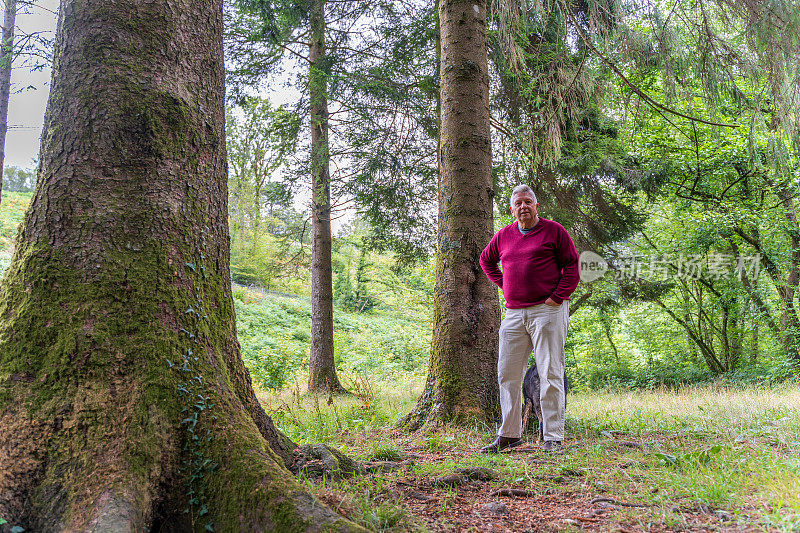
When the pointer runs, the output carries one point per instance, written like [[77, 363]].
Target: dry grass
[[729, 402]]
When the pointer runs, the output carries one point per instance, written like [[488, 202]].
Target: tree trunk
[[606, 321], [6, 61], [462, 379], [124, 402], [736, 328], [754, 343], [790, 319], [256, 218], [322, 369], [786, 286], [697, 337]]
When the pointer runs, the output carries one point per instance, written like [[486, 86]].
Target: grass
[[734, 449], [726, 455], [692, 455], [372, 408]]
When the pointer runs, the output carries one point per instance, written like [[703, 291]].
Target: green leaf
[[209, 527], [666, 458]]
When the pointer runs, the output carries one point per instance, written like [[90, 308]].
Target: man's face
[[524, 208]]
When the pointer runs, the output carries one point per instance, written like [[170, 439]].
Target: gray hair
[[522, 189]]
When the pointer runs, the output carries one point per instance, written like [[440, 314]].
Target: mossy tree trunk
[[462, 379], [322, 368], [6, 60], [123, 397]]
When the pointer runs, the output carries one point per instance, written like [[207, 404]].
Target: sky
[[26, 106]]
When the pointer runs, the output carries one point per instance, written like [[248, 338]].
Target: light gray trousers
[[543, 329]]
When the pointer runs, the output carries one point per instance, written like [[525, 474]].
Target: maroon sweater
[[539, 265]]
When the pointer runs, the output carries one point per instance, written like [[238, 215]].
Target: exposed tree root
[[384, 466], [117, 514], [424, 413], [319, 460], [438, 406]]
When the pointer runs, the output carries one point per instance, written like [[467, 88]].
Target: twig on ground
[[421, 496], [621, 504], [631, 444], [513, 492]]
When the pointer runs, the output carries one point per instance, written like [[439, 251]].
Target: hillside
[[275, 333]]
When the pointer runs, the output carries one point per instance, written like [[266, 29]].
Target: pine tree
[[124, 402], [462, 378]]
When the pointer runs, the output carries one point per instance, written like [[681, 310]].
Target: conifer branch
[[652, 102]]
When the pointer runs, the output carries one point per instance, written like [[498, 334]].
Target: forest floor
[[711, 458], [700, 459]]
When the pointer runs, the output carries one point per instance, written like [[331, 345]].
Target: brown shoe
[[552, 446], [501, 443]]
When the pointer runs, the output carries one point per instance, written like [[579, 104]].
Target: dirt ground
[[439, 504]]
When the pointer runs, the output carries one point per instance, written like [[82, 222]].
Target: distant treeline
[[17, 179]]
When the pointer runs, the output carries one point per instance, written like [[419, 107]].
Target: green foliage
[[266, 232], [17, 179], [653, 376], [268, 264], [12, 211], [393, 94], [267, 335], [350, 296], [259, 141], [690, 459], [384, 76]]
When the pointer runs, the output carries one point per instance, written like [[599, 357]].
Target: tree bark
[[785, 285], [124, 402], [322, 368], [462, 380], [790, 320], [754, 343], [6, 61]]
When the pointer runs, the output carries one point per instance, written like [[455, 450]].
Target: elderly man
[[540, 272]]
